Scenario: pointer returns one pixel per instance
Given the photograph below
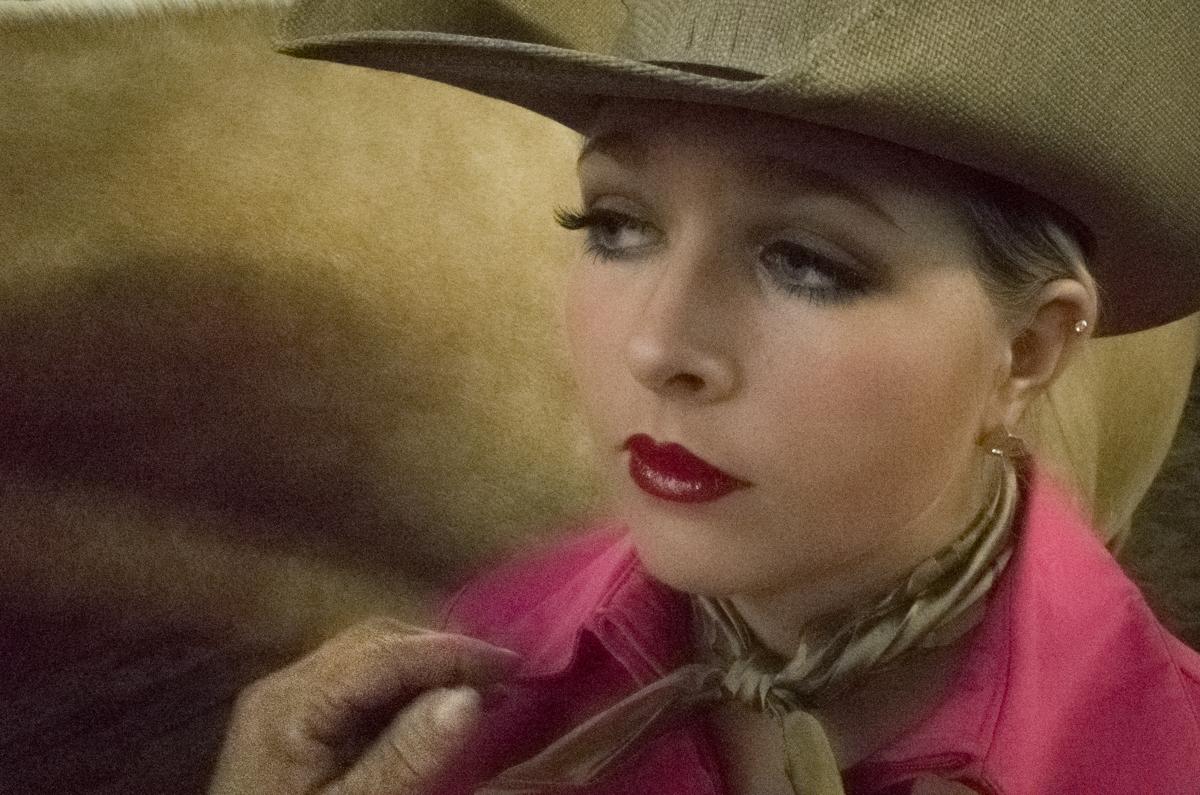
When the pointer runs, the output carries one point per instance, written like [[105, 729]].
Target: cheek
[[917, 400], [594, 327], [899, 411]]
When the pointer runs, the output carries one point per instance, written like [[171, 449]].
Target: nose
[[682, 344]]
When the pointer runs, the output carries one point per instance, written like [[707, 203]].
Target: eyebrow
[[802, 178], [625, 145]]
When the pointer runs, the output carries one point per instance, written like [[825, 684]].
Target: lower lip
[[676, 487]]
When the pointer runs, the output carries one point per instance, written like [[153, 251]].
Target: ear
[[1042, 343]]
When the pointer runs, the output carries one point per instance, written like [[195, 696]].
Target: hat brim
[[1144, 261]]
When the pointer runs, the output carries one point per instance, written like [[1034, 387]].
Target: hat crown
[[743, 40]]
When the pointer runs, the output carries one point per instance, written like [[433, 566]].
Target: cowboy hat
[[1091, 104]]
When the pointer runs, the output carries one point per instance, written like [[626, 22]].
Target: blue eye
[[610, 234], [799, 270]]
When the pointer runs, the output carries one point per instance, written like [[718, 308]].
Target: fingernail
[[456, 709]]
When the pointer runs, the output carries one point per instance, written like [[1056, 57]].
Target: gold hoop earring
[[1001, 442]]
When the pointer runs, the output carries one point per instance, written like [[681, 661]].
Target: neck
[[779, 618], [889, 698]]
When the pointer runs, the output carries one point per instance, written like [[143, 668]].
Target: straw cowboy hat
[[1092, 104]]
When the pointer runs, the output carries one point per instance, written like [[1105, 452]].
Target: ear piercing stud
[[1081, 326]]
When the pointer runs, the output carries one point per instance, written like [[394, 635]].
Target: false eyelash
[[573, 219], [586, 219], [597, 222]]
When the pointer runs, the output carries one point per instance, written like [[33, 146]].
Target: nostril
[[686, 382]]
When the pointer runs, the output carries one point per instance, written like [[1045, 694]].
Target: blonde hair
[[1024, 242]]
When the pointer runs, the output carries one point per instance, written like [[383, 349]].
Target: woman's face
[[797, 308]]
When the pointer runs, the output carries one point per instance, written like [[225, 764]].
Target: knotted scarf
[[939, 602]]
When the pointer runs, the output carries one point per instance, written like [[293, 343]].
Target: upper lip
[[675, 459]]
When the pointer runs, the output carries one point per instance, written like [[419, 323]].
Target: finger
[[473, 660], [377, 671], [416, 747], [306, 722]]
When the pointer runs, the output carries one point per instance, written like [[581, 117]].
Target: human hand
[[381, 708]]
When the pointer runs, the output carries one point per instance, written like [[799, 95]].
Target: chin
[[694, 558]]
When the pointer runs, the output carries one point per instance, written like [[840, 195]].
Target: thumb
[[417, 745]]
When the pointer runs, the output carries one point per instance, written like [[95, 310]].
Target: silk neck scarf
[[938, 603]]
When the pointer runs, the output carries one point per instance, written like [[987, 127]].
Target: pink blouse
[[1070, 684]]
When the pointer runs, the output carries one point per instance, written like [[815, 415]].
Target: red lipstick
[[671, 472]]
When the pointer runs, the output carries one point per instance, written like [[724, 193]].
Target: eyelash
[[595, 221], [849, 283]]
